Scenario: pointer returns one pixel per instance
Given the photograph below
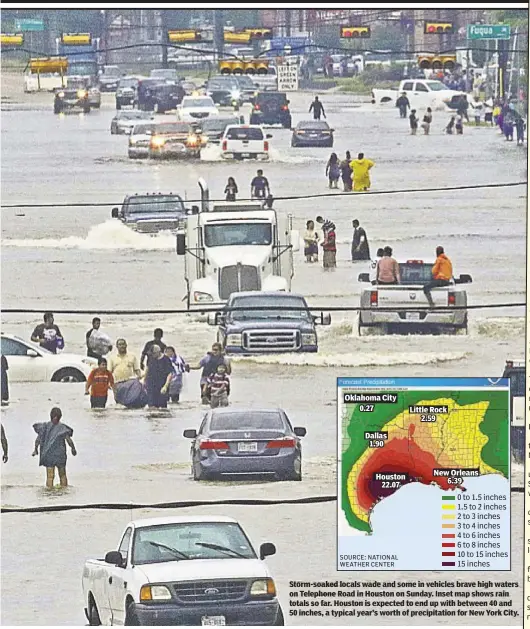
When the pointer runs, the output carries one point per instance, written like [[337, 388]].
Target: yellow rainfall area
[[454, 440]]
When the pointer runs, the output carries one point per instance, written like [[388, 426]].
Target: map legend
[[436, 449]]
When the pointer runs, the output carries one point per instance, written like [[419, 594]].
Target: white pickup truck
[[422, 93], [182, 571], [404, 307]]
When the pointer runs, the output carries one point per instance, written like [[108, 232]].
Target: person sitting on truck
[[403, 103], [442, 274], [317, 108], [231, 189], [259, 186], [373, 265], [387, 269]]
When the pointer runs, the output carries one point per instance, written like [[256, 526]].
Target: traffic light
[[76, 39], [437, 62], [354, 32], [439, 28], [259, 33], [183, 36], [237, 38], [11, 39], [235, 66]]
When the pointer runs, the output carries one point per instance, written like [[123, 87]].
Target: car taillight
[[373, 298], [451, 299], [281, 443], [225, 145], [265, 146], [256, 107], [213, 445], [284, 108]]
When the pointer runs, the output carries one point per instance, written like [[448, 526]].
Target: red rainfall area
[[402, 456]]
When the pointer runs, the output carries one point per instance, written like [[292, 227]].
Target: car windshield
[[242, 133], [142, 129], [417, 273], [245, 81], [133, 115], [190, 540], [246, 421], [436, 86], [111, 71], [273, 98], [198, 102], [217, 124], [172, 127], [128, 83], [313, 125], [297, 308], [227, 83], [235, 234], [154, 203]]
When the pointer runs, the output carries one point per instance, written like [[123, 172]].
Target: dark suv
[[271, 108], [165, 97], [71, 99], [223, 89]]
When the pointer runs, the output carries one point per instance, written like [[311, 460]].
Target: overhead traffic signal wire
[[153, 197]]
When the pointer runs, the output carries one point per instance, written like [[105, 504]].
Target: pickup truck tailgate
[[409, 296]]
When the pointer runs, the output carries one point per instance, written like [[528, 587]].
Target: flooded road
[[79, 258]]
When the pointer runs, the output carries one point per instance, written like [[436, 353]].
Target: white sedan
[[28, 362], [196, 108]]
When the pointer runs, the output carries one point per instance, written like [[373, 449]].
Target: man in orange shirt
[[442, 274], [98, 383]]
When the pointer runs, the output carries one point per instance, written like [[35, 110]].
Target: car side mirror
[[363, 277], [332, 130], [266, 550], [190, 433], [287, 102], [32, 353], [213, 318], [299, 431], [114, 557], [325, 319], [115, 212], [181, 244], [268, 136]]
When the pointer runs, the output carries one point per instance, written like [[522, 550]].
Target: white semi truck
[[235, 246]]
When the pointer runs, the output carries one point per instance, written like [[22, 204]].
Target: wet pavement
[[77, 257]]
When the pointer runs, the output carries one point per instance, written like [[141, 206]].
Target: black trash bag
[[131, 394]]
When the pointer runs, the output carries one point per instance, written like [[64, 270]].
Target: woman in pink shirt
[[388, 268]]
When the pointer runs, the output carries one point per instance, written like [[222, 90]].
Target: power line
[[206, 309], [154, 200]]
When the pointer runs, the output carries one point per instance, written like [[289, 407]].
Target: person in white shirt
[[373, 266], [478, 109]]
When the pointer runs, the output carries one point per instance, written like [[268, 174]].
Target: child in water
[[219, 387]]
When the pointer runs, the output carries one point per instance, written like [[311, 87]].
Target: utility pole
[[288, 22], [164, 37], [218, 33]]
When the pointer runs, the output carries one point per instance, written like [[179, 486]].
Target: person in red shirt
[[98, 384]]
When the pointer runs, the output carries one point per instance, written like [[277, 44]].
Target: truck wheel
[[93, 614], [279, 618], [131, 618]]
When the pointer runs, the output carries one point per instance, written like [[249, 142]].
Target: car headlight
[[60, 94], [157, 141], [263, 587], [192, 140], [154, 593], [81, 94], [234, 339], [132, 140], [309, 339], [198, 296], [235, 94]]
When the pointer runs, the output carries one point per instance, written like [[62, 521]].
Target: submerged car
[[245, 142], [29, 362], [84, 83], [246, 441], [151, 213], [214, 128], [125, 121], [71, 100], [271, 108], [224, 90], [196, 108], [109, 78], [126, 91], [139, 140], [312, 133], [175, 139], [259, 322], [165, 97]]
